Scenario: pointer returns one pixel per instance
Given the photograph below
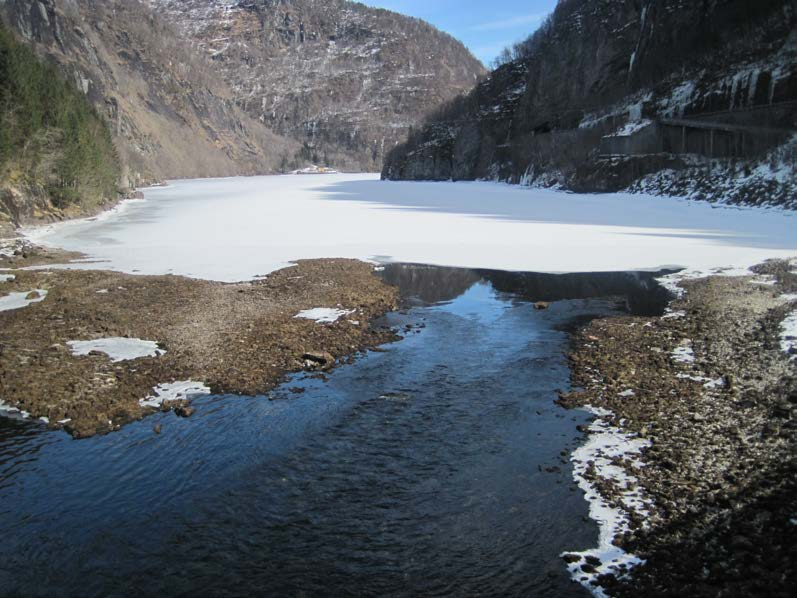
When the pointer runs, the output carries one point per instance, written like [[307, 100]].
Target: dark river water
[[434, 467]]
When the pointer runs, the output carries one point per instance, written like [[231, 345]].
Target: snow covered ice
[[117, 348], [23, 299], [239, 228], [323, 315]]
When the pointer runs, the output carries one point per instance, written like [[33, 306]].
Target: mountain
[[592, 102], [168, 115], [345, 80], [54, 147]]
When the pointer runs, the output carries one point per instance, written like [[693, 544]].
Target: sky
[[484, 26]]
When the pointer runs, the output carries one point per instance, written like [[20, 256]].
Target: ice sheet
[[235, 229]]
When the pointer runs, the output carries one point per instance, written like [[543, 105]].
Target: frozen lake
[[237, 228]]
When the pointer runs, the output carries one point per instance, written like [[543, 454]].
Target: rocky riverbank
[[710, 394], [147, 331]]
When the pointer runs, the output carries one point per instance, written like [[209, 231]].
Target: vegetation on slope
[[51, 138]]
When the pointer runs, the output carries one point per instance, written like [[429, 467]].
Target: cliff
[[609, 68], [345, 80]]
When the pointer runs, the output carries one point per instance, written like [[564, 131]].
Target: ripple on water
[[419, 470]]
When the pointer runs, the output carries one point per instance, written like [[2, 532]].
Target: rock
[[542, 305], [184, 411], [571, 558], [33, 295], [593, 560], [156, 428], [314, 360]]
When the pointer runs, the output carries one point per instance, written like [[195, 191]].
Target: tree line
[[50, 135]]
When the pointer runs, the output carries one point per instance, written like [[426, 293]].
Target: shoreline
[[706, 395], [94, 354]]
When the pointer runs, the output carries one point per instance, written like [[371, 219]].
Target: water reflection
[[431, 468]]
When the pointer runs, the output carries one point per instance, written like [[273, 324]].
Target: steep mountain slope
[[346, 80], [53, 144], [169, 115], [597, 65]]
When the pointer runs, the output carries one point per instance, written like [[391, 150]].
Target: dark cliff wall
[[541, 115]]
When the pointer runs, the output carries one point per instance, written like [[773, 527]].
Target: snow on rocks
[[671, 281], [632, 127], [174, 391], [683, 354], [7, 277], [23, 299], [324, 315], [788, 335], [596, 459], [7, 410], [117, 348]]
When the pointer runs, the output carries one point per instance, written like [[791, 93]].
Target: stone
[[314, 360], [184, 411], [542, 305]]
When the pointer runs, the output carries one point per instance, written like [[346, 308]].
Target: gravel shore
[[234, 338], [711, 392]]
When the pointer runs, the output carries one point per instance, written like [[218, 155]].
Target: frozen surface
[[239, 228], [18, 300], [7, 277], [117, 348], [173, 391], [605, 444], [323, 315]]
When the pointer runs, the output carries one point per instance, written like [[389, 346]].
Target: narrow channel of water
[[435, 467]]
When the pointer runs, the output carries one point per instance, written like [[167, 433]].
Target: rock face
[[596, 65], [169, 115], [345, 80]]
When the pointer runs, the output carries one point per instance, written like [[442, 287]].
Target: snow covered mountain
[[345, 80], [619, 94]]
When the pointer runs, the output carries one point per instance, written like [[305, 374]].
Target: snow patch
[[605, 444], [323, 315], [716, 383], [19, 300], [788, 335], [173, 391], [7, 277], [673, 314], [117, 348], [7, 410], [683, 354], [671, 281], [632, 127]]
